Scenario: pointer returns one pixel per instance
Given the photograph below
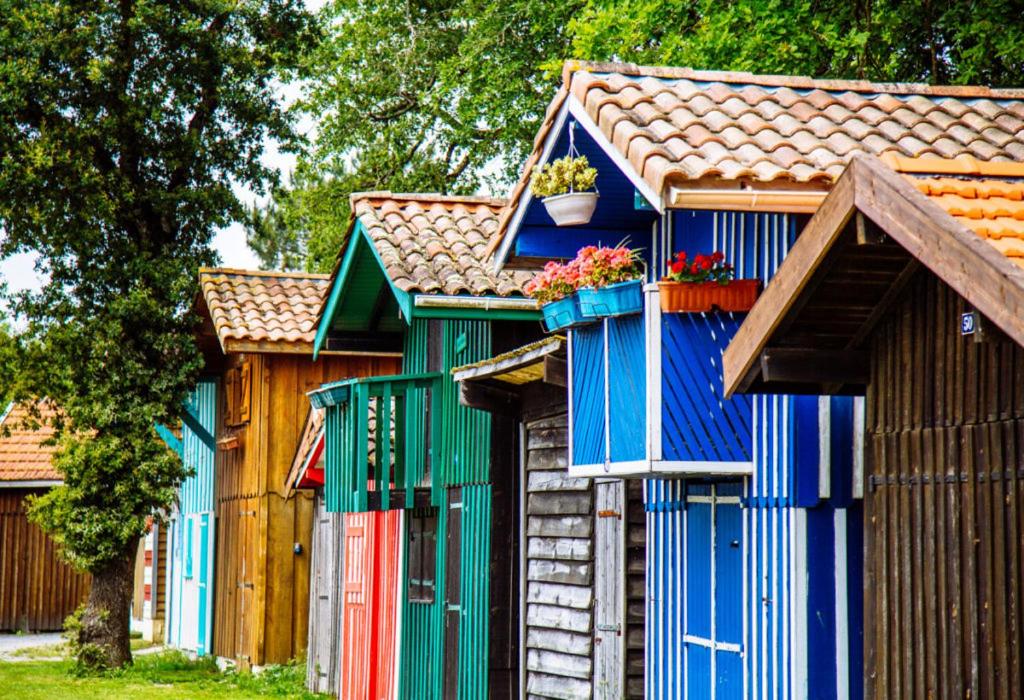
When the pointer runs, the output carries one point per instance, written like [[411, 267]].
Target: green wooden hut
[[412, 276]]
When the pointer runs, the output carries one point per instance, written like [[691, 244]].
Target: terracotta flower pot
[[694, 297], [571, 208]]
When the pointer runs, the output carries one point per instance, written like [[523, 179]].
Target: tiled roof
[[987, 198], [23, 456], [273, 311], [677, 125], [436, 244]]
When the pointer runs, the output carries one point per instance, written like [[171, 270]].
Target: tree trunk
[[103, 638]]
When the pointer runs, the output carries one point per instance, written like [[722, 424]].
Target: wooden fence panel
[[37, 589]]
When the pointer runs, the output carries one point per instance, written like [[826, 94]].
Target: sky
[[19, 270]]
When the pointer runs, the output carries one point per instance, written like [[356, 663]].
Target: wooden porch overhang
[[496, 384], [872, 234]]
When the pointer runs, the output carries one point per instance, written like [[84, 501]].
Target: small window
[[422, 555]]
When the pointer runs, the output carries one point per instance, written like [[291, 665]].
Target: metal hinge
[[609, 628], [609, 514], [242, 584]]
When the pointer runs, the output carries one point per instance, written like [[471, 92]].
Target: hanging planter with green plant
[[567, 187], [704, 283]]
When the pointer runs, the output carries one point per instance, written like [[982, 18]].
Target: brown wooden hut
[[257, 340], [907, 286], [37, 589]]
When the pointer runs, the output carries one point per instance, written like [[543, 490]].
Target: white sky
[[19, 270]]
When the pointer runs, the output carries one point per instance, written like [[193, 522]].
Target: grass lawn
[[163, 675]]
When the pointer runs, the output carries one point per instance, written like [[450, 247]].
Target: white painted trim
[[696, 498], [824, 447], [709, 644], [512, 230], [859, 426], [842, 622], [579, 112], [7, 412], [654, 406], [491, 303], [645, 468], [30, 483], [744, 590], [800, 592]]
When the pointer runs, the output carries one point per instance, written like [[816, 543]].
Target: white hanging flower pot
[[571, 208]]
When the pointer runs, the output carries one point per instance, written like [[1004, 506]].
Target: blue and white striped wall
[[190, 571]]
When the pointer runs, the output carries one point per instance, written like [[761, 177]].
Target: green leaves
[[124, 128]]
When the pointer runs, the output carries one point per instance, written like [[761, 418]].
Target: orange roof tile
[[986, 198], [276, 310], [676, 125], [435, 243], [23, 454]]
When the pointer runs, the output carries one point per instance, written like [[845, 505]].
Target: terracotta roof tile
[[276, 308], [435, 243], [985, 197], [23, 454], [824, 121]]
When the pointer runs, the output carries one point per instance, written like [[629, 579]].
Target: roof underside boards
[[622, 214], [517, 367], [872, 235], [678, 127]]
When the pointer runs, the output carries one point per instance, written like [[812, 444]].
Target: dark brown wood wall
[[636, 587], [37, 589], [944, 540]]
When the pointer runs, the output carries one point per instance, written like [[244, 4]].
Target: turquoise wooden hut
[[753, 503], [412, 278]]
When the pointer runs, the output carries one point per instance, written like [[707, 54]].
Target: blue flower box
[[562, 314], [619, 299]]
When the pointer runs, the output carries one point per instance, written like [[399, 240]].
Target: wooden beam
[[868, 232], [792, 278], [489, 398], [378, 307], [890, 296], [363, 341], [814, 366], [556, 371]]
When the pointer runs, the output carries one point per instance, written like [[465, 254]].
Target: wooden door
[[388, 538], [609, 591], [453, 594], [355, 604], [713, 592]]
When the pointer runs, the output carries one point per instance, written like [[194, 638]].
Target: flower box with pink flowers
[[599, 282]]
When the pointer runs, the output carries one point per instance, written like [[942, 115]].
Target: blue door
[[713, 591]]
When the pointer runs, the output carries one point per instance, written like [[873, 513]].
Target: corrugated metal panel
[[588, 395], [466, 432], [197, 490], [627, 388], [474, 640], [422, 630], [698, 422]]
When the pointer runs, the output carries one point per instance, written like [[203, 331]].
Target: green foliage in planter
[[563, 175]]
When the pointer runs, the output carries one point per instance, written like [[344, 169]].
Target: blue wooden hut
[[754, 552]]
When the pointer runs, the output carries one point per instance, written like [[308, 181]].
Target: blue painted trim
[[169, 438]]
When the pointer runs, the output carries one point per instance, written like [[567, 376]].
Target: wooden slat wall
[[944, 541], [324, 595], [559, 527], [37, 589], [262, 586], [636, 593]]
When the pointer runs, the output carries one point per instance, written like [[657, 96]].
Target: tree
[[418, 96], [123, 127]]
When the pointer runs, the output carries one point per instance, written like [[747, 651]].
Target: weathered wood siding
[[944, 541], [324, 599], [37, 589], [636, 595], [560, 566], [262, 585]]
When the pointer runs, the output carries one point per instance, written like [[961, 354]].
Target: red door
[[355, 599]]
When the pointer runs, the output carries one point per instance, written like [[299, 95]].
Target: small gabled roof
[[684, 127], [260, 311], [959, 219], [436, 244], [308, 455], [25, 455]]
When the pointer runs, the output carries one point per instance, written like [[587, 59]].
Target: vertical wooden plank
[[609, 590]]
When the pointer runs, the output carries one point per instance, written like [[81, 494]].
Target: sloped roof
[[987, 198], [309, 443], [253, 310], [678, 125], [23, 454], [821, 307], [436, 243]]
